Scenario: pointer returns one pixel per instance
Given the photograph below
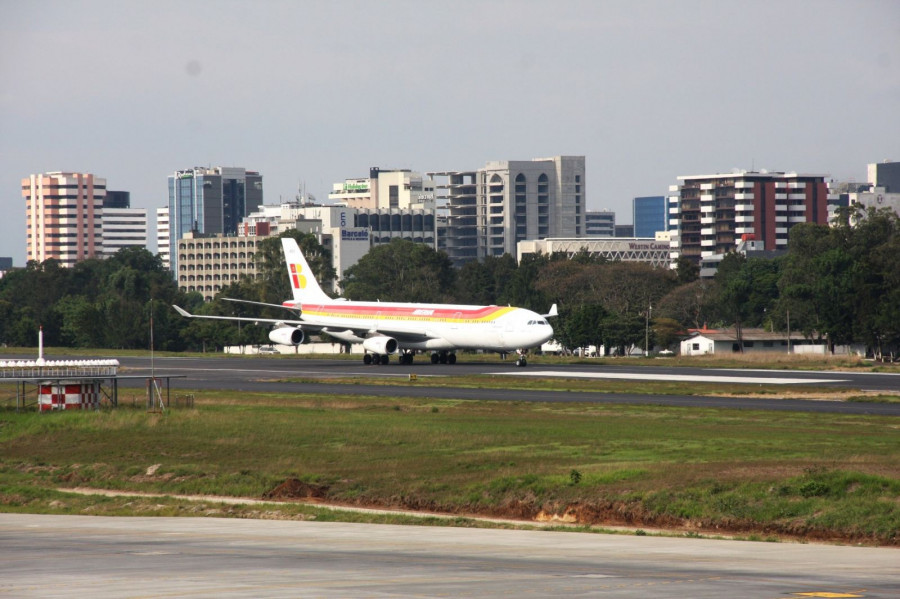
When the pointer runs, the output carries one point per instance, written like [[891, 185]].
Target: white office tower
[[162, 235]]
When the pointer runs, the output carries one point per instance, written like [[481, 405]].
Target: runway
[[151, 558], [253, 373]]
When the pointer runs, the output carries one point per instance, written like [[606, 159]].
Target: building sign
[[355, 234], [356, 186], [648, 246]]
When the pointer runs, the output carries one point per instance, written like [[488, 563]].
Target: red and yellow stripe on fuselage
[[387, 311]]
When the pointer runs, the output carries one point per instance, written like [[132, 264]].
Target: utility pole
[[789, 329], [647, 331]]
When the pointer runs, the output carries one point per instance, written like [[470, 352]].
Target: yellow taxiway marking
[[826, 594]]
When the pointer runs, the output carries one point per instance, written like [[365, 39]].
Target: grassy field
[[699, 471]]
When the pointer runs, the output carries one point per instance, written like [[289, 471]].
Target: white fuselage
[[430, 326]]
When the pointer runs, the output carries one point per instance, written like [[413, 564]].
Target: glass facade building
[[210, 201], [649, 215]]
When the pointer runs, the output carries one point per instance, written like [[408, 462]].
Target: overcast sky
[[317, 92]]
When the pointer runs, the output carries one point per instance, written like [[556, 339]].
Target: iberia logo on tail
[[298, 279]]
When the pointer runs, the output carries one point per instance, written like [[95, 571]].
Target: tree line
[[840, 283]]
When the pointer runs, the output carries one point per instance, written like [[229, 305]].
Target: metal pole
[[647, 332], [789, 330]]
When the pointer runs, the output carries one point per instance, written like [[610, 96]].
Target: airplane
[[387, 328]]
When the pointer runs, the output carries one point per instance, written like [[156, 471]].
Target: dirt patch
[[294, 488]]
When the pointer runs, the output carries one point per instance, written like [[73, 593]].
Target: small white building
[[708, 342]]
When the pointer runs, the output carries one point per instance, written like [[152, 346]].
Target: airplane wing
[[266, 304], [276, 321]]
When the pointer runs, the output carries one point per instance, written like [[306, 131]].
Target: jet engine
[[381, 345], [287, 336]]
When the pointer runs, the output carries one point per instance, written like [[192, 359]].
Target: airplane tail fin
[[305, 288]]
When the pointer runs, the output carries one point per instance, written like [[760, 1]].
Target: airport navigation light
[[40, 359]]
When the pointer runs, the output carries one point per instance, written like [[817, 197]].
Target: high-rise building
[[123, 226], [626, 231], [207, 263], [882, 190], [599, 223], [64, 216], [210, 201], [117, 199], [649, 215], [386, 189], [885, 174], [711, 214], [162, 236], [490, 210]]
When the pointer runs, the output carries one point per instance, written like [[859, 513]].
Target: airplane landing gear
[[406, 358], [376, 359], [443, 357], [521, 362]]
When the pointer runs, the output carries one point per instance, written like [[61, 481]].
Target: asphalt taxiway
[[151, 558], [310, 375]]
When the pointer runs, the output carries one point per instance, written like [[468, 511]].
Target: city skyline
[[314, 93]]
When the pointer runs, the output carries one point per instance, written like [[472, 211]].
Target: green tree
[[686, 270], [735, 286], [401, 271], [692, 304], [80, 318], [666, 331], [484, 282], [522, 290], [620, 332], [581, 326]]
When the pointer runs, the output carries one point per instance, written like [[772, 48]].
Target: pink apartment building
[[64, 216]]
